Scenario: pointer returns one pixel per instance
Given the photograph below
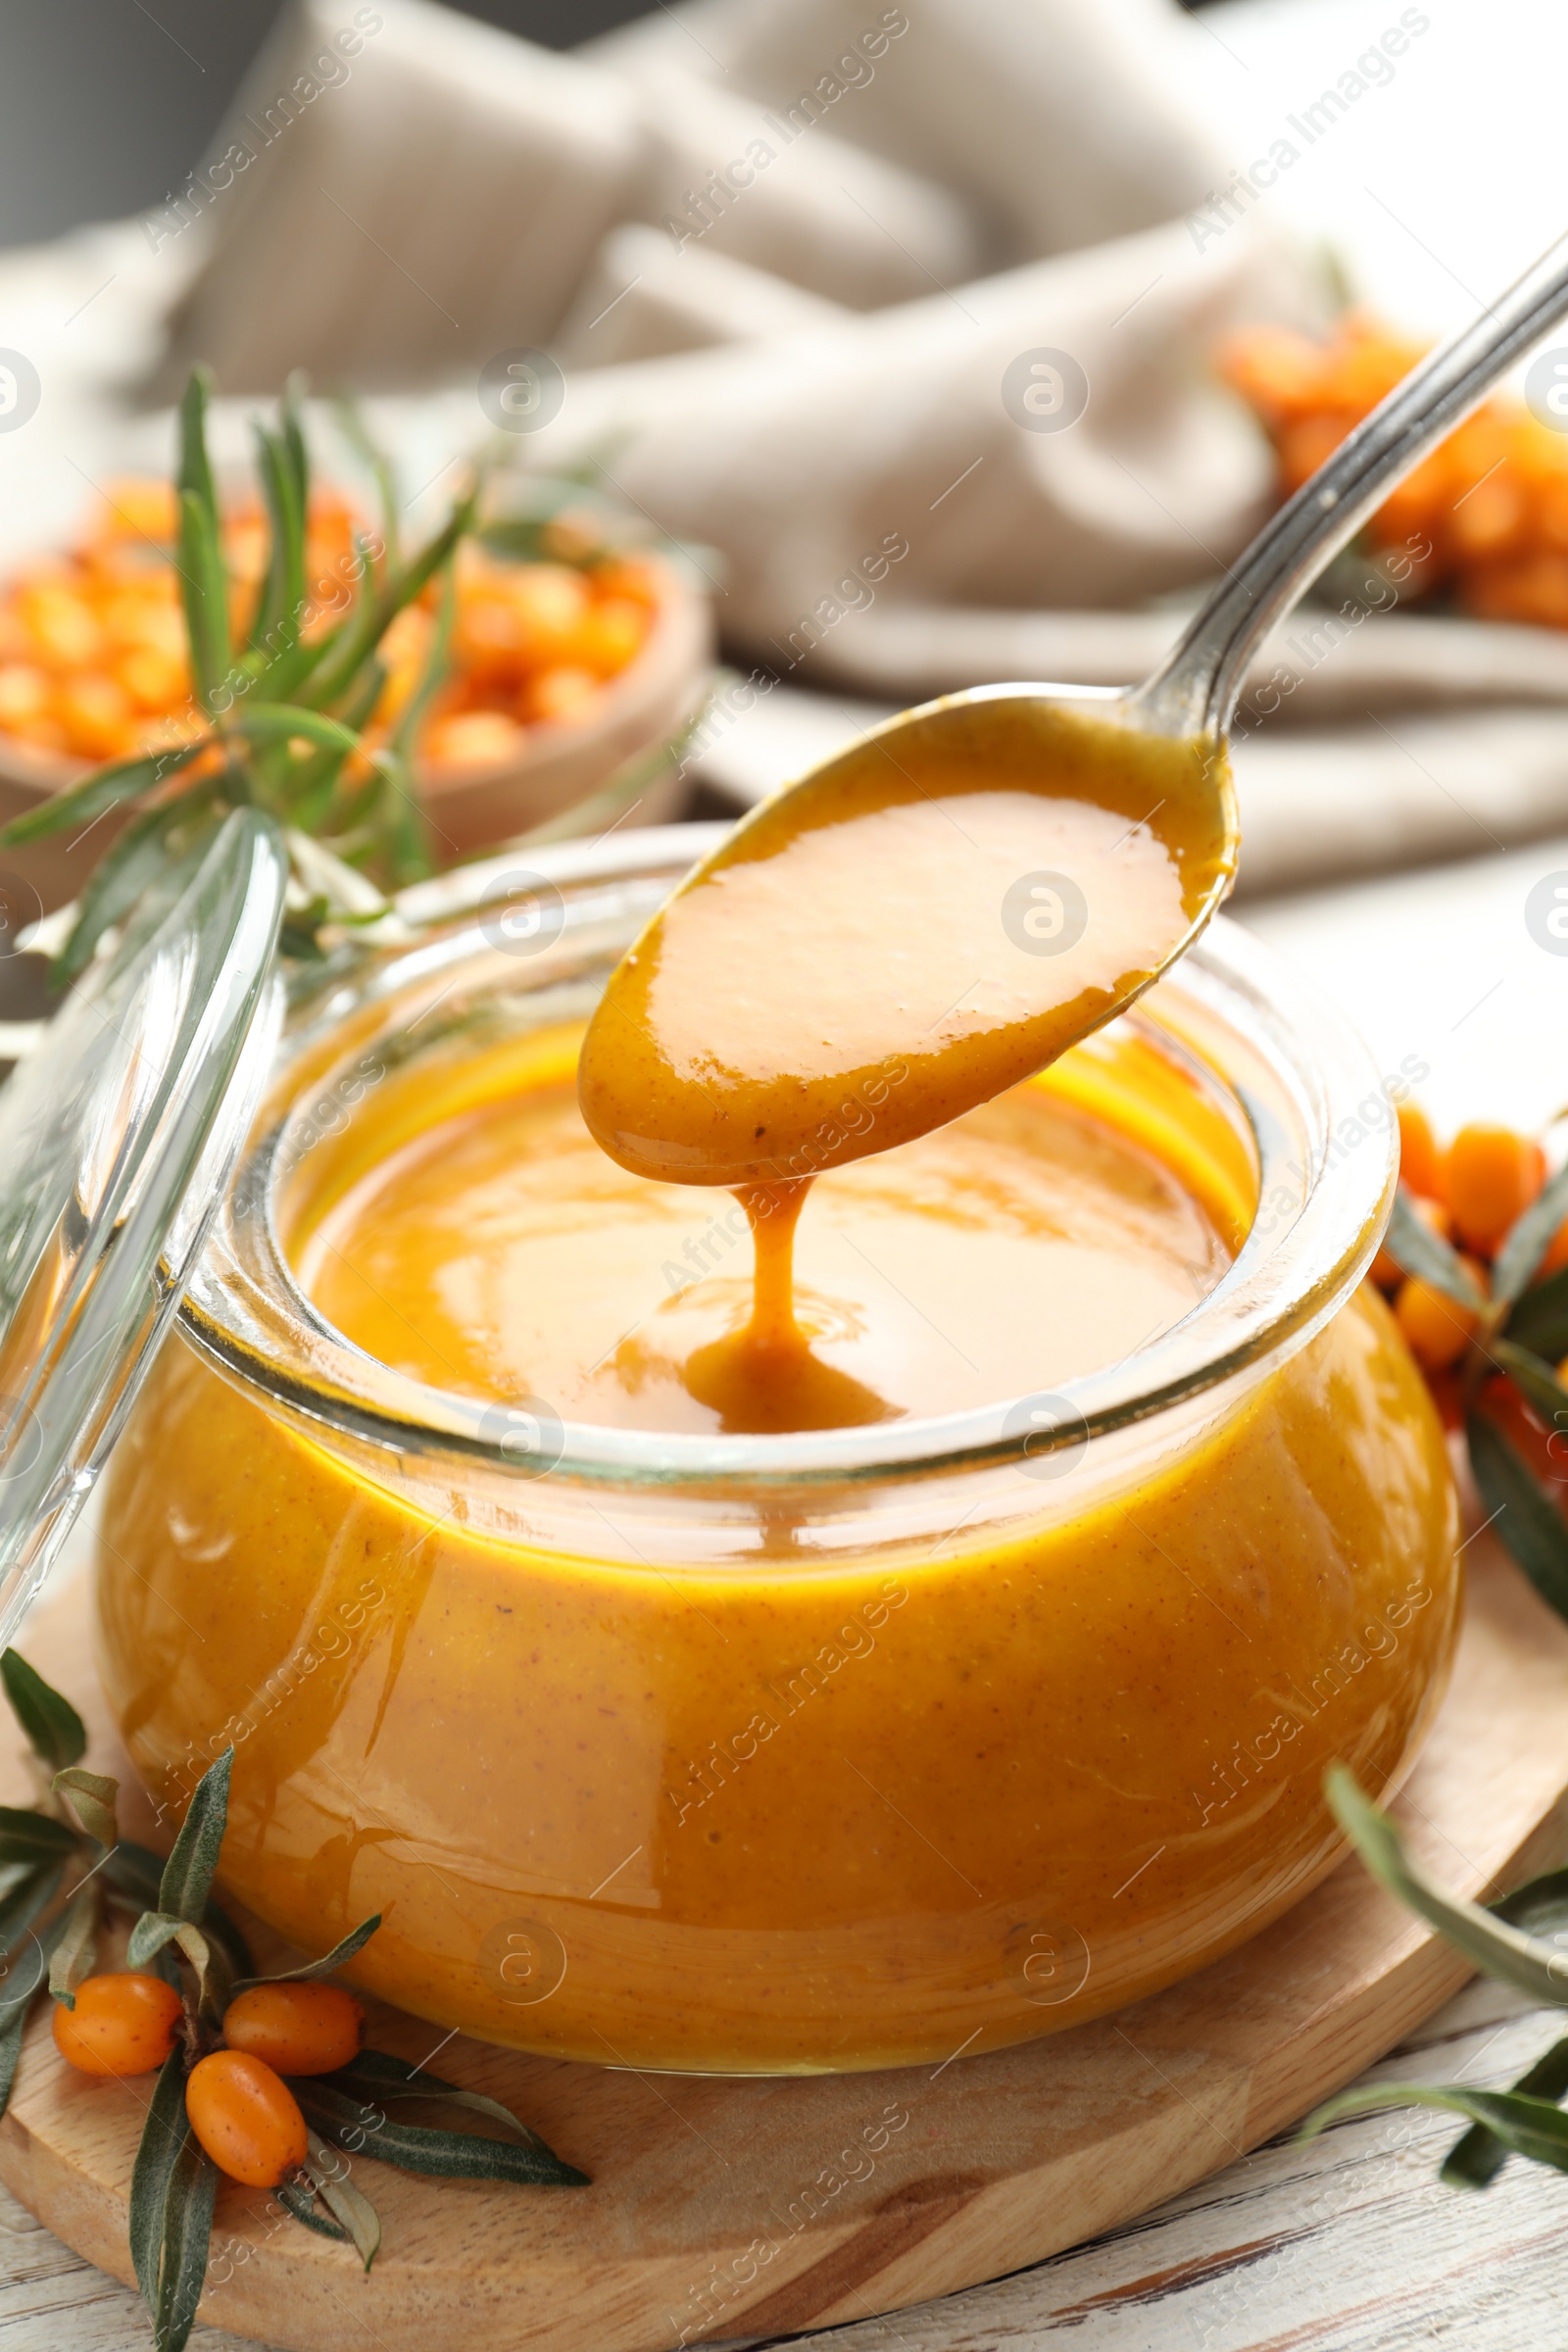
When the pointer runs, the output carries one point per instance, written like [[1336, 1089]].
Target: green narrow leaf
[[275, 722], [187, 1879], [76, 1952], [204, 582], [135, 1872], [32, 1894], [1529, 1238], [13, 2025], [115, 885], [291, 409], [1475, 2160], [1411, 1242], [1538, 1905], [195, 470], [1540, 1318], [94, 1796], [313, 781], [174, 2188], [1538, 1382], [34, 1836], [156, 1929], [301, 2203], [376, 2074], [336, 1958], [298, 935], [280, 597], [355, 431], [1531, 2128], [136, 1876], [163, 2134], [359, 2218], [55, 1731], [363, 629], [1527, 1521], [106, 788], [24, 1988], [516, 538], [1489, 1943], [362, 2128], [204, 586]]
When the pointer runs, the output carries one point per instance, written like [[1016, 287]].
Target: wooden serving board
[[754, 2208]]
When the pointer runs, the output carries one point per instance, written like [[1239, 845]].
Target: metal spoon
[[692, 1069]]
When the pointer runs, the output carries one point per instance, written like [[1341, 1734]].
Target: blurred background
[[105, 105], [824, 354]]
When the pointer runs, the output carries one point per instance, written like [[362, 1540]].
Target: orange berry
[[297, 2029], [62, 625], [154, 680], [23, 695], [1304, 446], [122, 2024], [627, 577], [1436, 1327], [131, 620], [1491, 518], [472, 738], [1387, 1272], [558, 693], [1545, 1450], [1448, 1394], [1491, 1177], [136, 508], [95, 712], [1529, 588], [246, 2118], [1556, 1254], [609, 635], [1420, 1161]]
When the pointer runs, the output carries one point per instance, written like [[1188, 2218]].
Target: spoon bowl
[[968, 890]]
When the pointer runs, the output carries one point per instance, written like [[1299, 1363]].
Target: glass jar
[[777, 1754]]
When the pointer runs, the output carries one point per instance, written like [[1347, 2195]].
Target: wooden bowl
[[469, 810]]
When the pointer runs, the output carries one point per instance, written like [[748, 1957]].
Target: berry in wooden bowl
[[568, 665]]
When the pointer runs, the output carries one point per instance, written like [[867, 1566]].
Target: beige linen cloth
[[896, 315]]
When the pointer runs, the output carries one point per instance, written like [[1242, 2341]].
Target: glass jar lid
[[118, 1136]]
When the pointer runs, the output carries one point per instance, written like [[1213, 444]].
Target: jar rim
[[1299, 1075]]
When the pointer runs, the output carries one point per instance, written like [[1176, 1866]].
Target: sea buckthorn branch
[[278, 721], [1476, 1262], [1505, 1940], [264, 2080]]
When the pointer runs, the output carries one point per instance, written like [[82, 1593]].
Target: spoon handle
[[1195, 690]]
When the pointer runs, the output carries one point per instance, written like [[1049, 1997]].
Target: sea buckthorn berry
[[1448, 1394], [1420, 1161], [1492, 1177], [246, 2118], [297, 2029], [556, 694], [122, 2024], [1436, 1327]]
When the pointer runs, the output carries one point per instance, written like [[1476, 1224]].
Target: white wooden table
[[1347, 2245]]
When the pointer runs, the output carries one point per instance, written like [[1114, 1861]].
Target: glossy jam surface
[[503, 1254], [941, 913], [781, 1779]]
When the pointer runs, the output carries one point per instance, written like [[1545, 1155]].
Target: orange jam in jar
[[979, 1680]]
